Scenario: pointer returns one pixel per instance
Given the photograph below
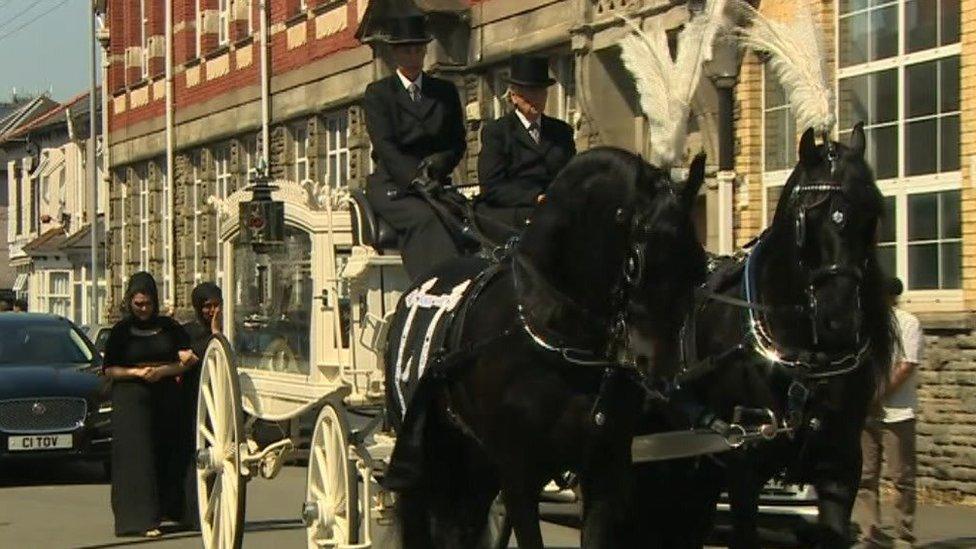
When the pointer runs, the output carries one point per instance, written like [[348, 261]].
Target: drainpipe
[[168, 192], [265, 87], [92, 171], [106, 157]]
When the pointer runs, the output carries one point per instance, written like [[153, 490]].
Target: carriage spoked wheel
[[331, 511], [221, 483]]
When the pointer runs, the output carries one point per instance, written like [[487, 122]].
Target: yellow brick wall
[[748, 219], [967, 148]]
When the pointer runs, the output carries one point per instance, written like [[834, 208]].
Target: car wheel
[[107, 469]]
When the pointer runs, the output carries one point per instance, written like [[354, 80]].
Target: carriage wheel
[[331, 512], [220, 431]]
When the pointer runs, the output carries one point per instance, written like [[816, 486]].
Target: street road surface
[[67, 506]]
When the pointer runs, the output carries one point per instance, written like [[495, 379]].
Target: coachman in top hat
[[414, 120], [521, 152]]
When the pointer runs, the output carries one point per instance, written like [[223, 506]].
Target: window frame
[[48, 296], [144, 36], [901, 186], [335, 149]]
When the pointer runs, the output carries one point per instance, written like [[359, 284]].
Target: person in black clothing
[[521, 152], [207, 301], [143, 355], [414, 121]]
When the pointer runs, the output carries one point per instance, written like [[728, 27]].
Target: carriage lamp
[[262, 220]]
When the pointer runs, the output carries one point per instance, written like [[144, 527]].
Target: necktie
[[534, 131], [414, 91]]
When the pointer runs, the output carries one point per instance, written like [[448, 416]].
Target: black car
[[53, 402]]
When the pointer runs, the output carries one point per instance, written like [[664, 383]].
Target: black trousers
[[425, 240], [502, 223]]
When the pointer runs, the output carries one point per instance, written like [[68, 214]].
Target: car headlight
[[105, 408]]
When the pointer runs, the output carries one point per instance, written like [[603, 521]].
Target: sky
[[44, 46]]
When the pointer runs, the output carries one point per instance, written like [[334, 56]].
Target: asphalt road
[[67, 506]]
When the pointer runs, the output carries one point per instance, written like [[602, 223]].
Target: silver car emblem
[[38, 409]]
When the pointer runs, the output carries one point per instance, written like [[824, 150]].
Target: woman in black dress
[[143, 355], [207, 302]]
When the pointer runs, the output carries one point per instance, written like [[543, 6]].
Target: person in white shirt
[[890, 434]]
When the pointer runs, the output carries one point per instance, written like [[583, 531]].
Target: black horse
[[799, 328], [547, 373]]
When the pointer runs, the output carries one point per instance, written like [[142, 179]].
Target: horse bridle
[[815, 278]]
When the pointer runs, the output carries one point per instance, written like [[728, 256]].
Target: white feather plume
[[798, 59], [665, 87]]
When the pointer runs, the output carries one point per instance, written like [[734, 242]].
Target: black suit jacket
[[513, 170], [404, 132]]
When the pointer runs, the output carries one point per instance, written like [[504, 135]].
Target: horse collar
[[805, 365]]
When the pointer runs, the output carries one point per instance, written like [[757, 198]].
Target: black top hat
[[407, 30], [531, 71]]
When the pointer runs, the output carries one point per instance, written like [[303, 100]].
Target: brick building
[[179, 160]]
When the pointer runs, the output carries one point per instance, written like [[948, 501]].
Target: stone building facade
[[323, 53]]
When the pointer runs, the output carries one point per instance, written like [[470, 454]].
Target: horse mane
[[860, 187], [550, 267]]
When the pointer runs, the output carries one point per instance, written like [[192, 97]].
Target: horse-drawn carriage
[[595, 309], [290, 357]]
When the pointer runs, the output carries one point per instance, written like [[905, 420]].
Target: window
[[273, 303], [779, 127], [898, 72], [564, 92], [223, 21], [59, 293], [498, 82], [198, 211], [779, 142], [198, 27], [252, 155], [144, 35], [300, 143], [932, 116], [337, 149], [222, 173], [144, 216], [888, 238], [867, 33], [934, 241]]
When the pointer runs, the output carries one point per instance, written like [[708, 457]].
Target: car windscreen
[[49, 343]]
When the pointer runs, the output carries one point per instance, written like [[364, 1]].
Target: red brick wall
[[132, 38], [184, 40], [116, 45]]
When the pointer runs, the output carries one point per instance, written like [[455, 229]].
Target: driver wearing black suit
[[413, 120], [521, 152]]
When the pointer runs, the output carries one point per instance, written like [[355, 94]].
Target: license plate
[[39, 442]]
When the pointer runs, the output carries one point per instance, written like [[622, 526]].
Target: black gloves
[[438, 165]]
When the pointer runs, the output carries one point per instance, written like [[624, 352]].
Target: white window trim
[[144, 34], [144, 216], [334, 149], [223, 21], [197, 212], [47, 296], [198, 29], [302, 130]]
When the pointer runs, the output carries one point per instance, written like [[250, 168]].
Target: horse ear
[[857, 140], [696, 176], [808, 149]]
